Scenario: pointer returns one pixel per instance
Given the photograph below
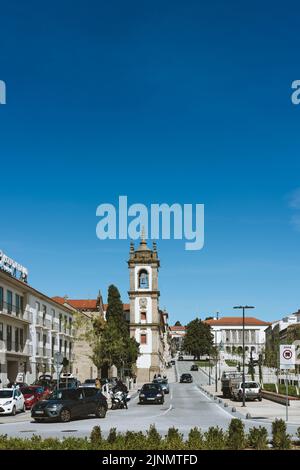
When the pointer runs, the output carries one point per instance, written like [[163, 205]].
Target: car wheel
[[14, 411], [101, 411], [37, 420], [65, 415], [260, 399]]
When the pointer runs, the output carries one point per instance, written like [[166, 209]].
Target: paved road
[[185, 407]]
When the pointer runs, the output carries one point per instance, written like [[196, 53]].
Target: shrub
[[195, 439], [215, 439], [174, 439], [280, 439], [236, 435], [258, 438], [96, 437], [153, 438], [112, 436], [298, 434]]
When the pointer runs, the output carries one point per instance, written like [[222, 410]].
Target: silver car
[[164, 384]]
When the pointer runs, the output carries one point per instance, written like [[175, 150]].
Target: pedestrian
[[97, 383], [154, 376]]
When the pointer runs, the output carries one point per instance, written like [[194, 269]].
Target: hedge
[[213, 439]]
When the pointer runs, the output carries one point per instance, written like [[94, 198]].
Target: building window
[[52, 318], [1, 331], [65, 324], [143, 316], [9, 337], [143, 338], [52, 346], [9, 301], [37, 343], [44, 345], [143, 279], [60, 345], [60, 320], [70, 326], [17, 339], [44, 314], [65, 348], [227, 336], [253, 336], [21, 339], [18, 304]]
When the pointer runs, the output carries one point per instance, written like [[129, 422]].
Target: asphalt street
[[186, 406]]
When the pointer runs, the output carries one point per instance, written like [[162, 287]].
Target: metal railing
[[15, 311], [15, 347]]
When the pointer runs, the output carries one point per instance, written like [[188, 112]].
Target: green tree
[[178, 323], [198, 340]]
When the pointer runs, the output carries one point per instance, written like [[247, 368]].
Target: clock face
[[143, 302]]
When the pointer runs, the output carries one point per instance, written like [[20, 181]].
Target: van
[[252, 391]]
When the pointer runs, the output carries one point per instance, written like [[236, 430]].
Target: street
[[186, 406]]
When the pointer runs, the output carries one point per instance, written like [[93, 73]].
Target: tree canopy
[[198, 340]]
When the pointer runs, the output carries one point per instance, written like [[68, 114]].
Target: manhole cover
[[69, 430]]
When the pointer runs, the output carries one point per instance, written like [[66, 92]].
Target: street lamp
[[243, 307]]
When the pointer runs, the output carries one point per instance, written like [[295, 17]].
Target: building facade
[[33, 327], [228, 335], [177, 334], [284, 331], [147, 322]]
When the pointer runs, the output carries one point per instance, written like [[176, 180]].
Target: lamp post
[[243, 307]]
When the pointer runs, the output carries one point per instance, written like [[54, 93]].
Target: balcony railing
[[15, 311], [43, 322], [43, 352], [15, 347]]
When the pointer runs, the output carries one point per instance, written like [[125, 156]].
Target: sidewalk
[[264, 409]]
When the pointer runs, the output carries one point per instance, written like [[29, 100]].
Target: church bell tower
[[144, 312]]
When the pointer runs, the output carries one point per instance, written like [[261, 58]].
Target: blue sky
[[185, 102]]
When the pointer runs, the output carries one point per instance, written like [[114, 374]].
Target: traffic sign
[[287, 356], [58, 358]]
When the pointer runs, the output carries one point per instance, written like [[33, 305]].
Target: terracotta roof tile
[[237, 321], [84, 304], [173, 328]]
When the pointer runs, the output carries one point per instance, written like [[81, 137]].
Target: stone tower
[[144, 312]]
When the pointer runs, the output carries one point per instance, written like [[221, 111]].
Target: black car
[[194, 367], [65, 404], [186, 378], [151, 393]]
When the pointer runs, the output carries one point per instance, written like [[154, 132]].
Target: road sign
[[287, 356], [58, 358]]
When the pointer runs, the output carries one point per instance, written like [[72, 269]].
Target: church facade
[[148, 324]]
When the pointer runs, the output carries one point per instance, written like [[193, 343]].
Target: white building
[[228, 335], [32, 327]]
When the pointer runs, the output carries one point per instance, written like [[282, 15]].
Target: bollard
[[233, 409], [225, 405], [220, 401], [248, 416]]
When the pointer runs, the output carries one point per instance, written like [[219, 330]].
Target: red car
[[32, 394]]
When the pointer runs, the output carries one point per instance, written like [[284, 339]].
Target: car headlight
[[142, 395], [30, 398], [8, 402], [159, 395]]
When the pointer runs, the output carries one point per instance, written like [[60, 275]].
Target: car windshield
[[150, 387], [62, 395], [6, 393]]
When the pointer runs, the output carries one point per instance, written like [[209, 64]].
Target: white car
[[11, 401]]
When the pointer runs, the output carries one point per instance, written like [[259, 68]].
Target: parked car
[[194, 367], [32, 394], [66, 404], [252, 391], [11, 401], [164, 384], [89, 383], [151, 393], [186, 378], [180, 358]]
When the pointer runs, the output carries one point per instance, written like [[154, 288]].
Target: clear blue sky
[[163, 101]]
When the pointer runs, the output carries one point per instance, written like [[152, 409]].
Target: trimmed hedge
[[213, 439]]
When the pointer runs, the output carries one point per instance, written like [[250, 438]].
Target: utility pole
[[243, 307]]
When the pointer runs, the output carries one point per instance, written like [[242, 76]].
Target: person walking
[[97, 383]]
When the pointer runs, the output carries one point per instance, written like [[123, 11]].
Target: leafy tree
[[198, 339], [178, 323]]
